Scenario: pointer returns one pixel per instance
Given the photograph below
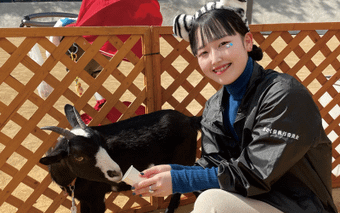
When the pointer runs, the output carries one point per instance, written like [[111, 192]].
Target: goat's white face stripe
[[105, 163], [80, 132]]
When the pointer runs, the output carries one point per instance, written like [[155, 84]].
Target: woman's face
[[225, 59]]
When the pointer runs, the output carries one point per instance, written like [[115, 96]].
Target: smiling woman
[[244, 167]]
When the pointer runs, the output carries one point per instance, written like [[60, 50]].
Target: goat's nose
[[112, 173]]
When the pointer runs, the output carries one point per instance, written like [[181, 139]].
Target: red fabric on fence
[[114, 114], [118, 13]]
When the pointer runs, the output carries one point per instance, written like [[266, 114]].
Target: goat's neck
[[62, 175]]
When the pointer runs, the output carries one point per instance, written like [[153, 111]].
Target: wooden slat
[[156, 64], [295, 26], [72, 31], [148, 71]]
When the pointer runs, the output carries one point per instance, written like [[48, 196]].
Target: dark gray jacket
[[283, 156]]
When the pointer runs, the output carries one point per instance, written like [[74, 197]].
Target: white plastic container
[[131, 176]]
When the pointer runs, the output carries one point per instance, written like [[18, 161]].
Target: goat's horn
[[79, 120], [68, 134]]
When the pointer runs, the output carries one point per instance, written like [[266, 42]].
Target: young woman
[[263, 145]]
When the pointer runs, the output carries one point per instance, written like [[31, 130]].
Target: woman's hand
[[158, 180]]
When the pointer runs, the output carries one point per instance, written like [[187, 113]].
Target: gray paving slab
[[293, 11]]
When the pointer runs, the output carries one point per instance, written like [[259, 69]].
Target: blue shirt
[[236, 92]]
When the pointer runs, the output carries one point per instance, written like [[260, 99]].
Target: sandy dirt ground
[[27, 109]]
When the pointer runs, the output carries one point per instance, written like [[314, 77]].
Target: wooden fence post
[[156, 67], [148, 79]]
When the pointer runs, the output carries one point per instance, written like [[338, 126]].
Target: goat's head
[[83, 151]]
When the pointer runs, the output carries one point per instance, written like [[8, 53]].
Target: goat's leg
[[98, 206], [84, 207], [93, 206], [174, 203], [197, 193]]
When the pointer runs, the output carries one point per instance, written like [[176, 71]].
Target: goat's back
[[161, 137]]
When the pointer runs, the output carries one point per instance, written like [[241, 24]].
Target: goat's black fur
[[162, 137]]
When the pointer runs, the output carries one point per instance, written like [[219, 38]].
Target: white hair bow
[[182, 23]]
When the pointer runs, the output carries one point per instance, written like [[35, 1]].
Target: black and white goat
[[96, 157]]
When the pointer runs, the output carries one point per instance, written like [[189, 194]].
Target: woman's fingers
[[144, 188], [149, 191], [155, 170]]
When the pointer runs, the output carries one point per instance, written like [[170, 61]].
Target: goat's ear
[[54, 157], [71, 117]]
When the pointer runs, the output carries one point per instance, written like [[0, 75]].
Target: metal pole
[[249, 11]]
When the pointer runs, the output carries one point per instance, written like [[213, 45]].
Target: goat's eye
[[79, 158]]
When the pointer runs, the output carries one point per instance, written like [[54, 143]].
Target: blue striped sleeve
[[180, 167], [193, 179]]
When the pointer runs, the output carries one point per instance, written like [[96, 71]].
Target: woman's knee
[[213, 199], [218, 200]]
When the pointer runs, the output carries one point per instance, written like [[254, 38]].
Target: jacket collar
[[216, 120], [251, 86], [239, 86]]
